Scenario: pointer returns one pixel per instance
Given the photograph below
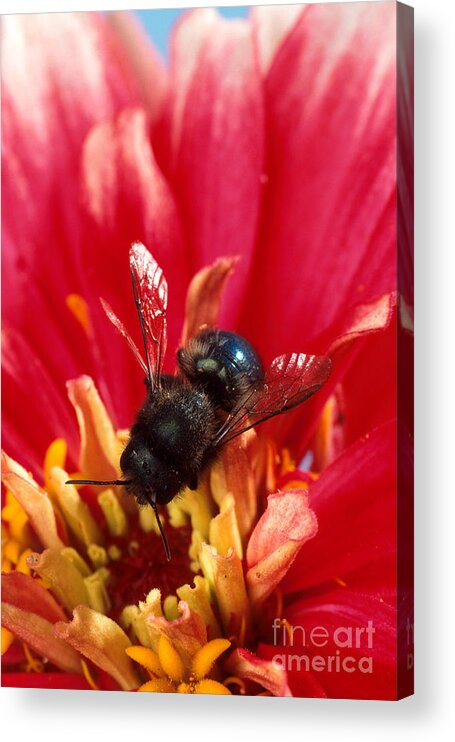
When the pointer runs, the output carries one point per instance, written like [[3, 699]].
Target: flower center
[[142, 565]]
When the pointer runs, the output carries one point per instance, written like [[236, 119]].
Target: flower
[[170, 673], [258, 142]]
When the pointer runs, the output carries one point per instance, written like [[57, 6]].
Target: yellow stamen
[[170, 660], [213, 687], [33, 664], [114, 552], [287, 462], [170, 608], [157, 685], [114, 513], [145, 657], [340, 582], [7, 639], [98, 555], [55, 456], [234, 680], [12, 551], [15, 516], [75, 558], [75, 511], [79, 308], [98, 597], [22, 565], [147, 520], [206, 656], [88, 676]]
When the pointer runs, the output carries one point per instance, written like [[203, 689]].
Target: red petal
[[267, 674], [341, 342], [328, 233], [334, 618], [287, 517], [29, 612], [272, 25], [369, 388], [204, 296], [216, 129], [355, 503], [24, 592], [127, 200], [80, 76], [278, 537], [148, 65], [29, 388]]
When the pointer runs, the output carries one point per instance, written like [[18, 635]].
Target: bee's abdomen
[[223, 364]]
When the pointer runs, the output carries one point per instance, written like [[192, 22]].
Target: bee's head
[[148, 474]]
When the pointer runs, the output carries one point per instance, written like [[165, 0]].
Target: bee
[[220, 390]]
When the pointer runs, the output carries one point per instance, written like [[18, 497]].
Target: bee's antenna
[[160, 526], [115, 482]]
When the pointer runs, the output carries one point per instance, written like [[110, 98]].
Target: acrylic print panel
[[248, 181]]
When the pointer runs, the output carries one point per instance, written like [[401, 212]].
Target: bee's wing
[[150, 295], [124, 332], [290, 380]]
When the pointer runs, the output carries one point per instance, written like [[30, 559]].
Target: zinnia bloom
[[260, 172]]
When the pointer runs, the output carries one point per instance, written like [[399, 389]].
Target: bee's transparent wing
[[124, 332], [289, 381], [150, 295]]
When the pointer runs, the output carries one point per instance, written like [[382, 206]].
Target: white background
[[62, 715]]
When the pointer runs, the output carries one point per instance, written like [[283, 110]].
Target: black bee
[[220, 390]]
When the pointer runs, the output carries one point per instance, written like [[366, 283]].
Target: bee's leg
[[192, 484]]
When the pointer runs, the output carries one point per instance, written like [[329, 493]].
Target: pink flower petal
[[327, 235], [80, 76], [204, 296], [355, 503], [278, 537], [148, 65], [216, 129], [35, 501], [102, 641], [127, 199], [29, 612], [26, 593], [187, 633], [233, 473], [265, 673], [100, 447], [355, 625], [23, 373], [341, 342], [272, 24]]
